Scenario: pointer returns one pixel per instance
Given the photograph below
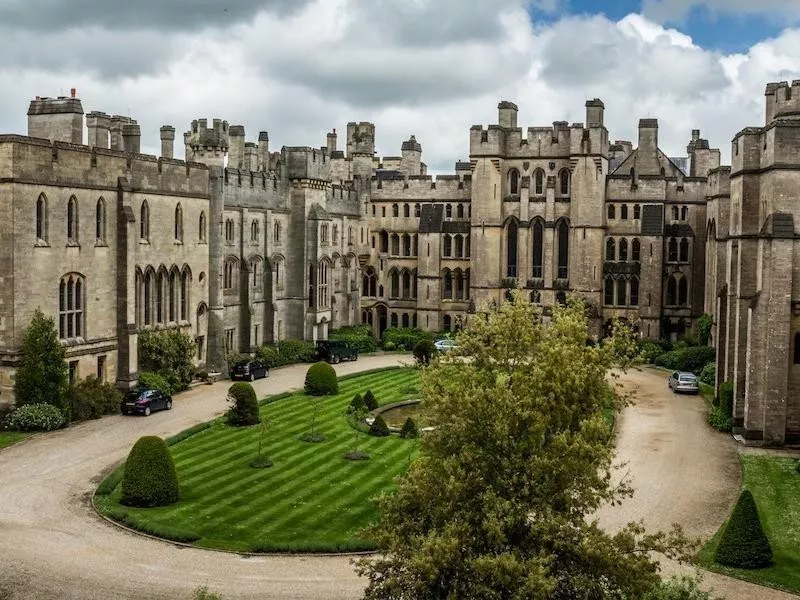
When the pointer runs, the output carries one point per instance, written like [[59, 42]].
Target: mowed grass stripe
[[311, 499]]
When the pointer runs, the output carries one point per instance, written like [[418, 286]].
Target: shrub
[[42, 376], [423, 351], [356, 404], [202, 593], [150, 478], [708, 374], [269, 355], [410, 429], [91, 398], [170, 353], [370, 402], [154, 381], [379, 428], [744, 544], [686, 359], [389, 346], [287, 352], [201, 375], [725, 398], [704, 324], [245, 405], [321, 380], [649, 350], [719, 420], [404, 338], [35, 417], [678, 588], [359, 335]]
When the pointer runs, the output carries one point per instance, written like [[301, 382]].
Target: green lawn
[[8, 438], [775, 485], [312, 499]]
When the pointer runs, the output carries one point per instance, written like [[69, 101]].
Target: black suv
[[249, 370], [333, 351], [144, 401]]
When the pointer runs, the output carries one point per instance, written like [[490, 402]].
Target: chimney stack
[[97, 124], [236, 137], [167, 141], [263, 150], [131, 138]]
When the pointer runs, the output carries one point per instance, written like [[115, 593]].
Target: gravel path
[[53, 546]]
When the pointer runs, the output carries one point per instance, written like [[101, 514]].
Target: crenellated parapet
[[207, 145], [423, 187]]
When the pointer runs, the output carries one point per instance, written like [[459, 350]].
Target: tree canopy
[[499, 503], [43, 374]]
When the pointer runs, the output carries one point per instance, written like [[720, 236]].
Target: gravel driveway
[[53, 546]]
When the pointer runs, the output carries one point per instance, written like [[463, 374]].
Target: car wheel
[[169, 405], [335, 360], [252, 376], [146, 411]]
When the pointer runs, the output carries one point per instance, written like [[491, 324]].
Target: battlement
[[552, 141], [782, 100], [422, 187], [303, 162], [200, 136], [41, 162]]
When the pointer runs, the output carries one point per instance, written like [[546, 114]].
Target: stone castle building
[[238, 245]]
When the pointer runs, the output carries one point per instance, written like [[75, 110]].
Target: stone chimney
[[97, 124], [236, 137], [507, 114], [263, 150], [56, 119], [594, 112], [167, 141], [332, 142], [647, 162], [132, 138]]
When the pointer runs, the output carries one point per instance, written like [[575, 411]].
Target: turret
[[411, 161], [332, 137], [57, 119], [507, 114], [263, 150], [205, 145], [167, 141], [236, 153], [702, 158], [594, 112], [782, 100], [361, 147]]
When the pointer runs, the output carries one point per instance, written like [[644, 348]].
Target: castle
[[238, 245]]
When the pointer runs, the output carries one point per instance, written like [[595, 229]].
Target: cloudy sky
[[298, 68]]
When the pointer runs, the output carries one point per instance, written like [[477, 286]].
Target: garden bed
[[310, 500]]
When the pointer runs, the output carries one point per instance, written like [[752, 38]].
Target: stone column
[[216, 358]]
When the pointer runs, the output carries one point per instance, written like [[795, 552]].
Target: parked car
[[681, 381], [445, 345], [334, 351], [249, 370], [144, 401]]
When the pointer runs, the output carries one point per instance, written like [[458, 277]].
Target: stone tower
[[207, 146]]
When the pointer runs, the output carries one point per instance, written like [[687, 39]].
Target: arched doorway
[[382, 319]]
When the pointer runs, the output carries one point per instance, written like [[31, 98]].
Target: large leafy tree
[[498, 505], [43, 375]]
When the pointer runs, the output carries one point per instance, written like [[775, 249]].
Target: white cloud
[[410, 68], [675, 11]]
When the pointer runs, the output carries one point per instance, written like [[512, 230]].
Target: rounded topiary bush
[[410, 429], [370, 402], [423, 351], [245, 405], [321, 380], [35, 417], [379, 428], [744, 544], [150, 478]]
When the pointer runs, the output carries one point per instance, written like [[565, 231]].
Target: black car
[[144, 401], [249, 370], [333, 351]]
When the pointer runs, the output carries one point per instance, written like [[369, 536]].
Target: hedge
[[170, 353], [150, 478], [286, 352], [708, 374], [91, 398], [725, 398], [360, 336], [744, 544], [35, 417], [404, 338], [321, 380], [245, 404], [154, 381], [693, 358]]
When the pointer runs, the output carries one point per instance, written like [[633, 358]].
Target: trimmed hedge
[[693, 358], [370, 402], [150, 478], [423, 351], [321, 380], [245, 405], [744, 544], [154, 381], [35, 417], [379, 428], [725, 398], [170, 353], [286, 352], [358, 335], [410, 429], [404, 338], [91, 398]]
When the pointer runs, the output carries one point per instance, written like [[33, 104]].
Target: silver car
[[681, 381]]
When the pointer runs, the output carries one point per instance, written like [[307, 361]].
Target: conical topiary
[[357, 404], [410, 429], [370, 401], [379, 428], [150, 478], [744, 544]]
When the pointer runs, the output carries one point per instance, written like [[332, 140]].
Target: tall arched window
[[406, 244], [41, 218], [672, 250], [276, 233], [611, 252], [563, 249], [179, 223], [322, 284], [201, 227], [72, 220], [254, 231], [447, 243], [622, 289], [406, 285], [611, 212], [684, 213], [513, 181], [674, 213], [448, 211], [384, 236], [406, 210], [100, 221], [186, 279], [447, 322], [395, 210], [674, 284], [636, 250], [623, 212], [459, 284], [637, 212], [684, 252], [144, 222], [467, 245], [447, 294], [417, 210], [608, 291], [71, 317], [459, 246], [229, 274], [634, 297], [538, 182], [395, 245], [563, 181], [511, 249], [683, 291], [623, 249], [255, 269], [460, 211], [538, 249], [394, 288]]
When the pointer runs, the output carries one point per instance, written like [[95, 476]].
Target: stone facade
[[239, 246]]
